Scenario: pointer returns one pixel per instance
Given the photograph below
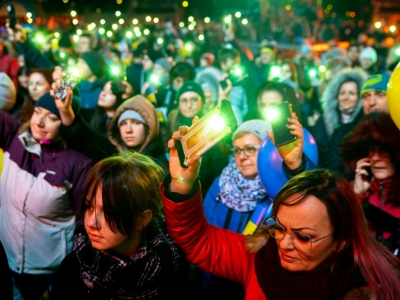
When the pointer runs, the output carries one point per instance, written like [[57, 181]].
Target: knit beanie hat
[[269, 50], [8, 94], [95, 62], [163, 63], [130, 114], [257, 127], [153, 54], [368, 53], [376, 82], [191, 86], [47, 102], [209, 57]]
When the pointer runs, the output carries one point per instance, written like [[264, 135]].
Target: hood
[[329, 99], [146, 110]]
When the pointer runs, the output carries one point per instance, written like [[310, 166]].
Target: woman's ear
[[144, 219]]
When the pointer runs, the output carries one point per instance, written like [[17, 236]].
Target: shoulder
[[363, 293]]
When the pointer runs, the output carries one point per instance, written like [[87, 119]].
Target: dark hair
[[129, 185], [184, 70], [374, 261], [46, 73], [225, 54]]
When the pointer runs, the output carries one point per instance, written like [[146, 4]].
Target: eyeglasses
[[193, 101], [248, 150], [301, 241]]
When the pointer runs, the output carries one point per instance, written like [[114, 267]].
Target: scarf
[[144, 275], [237, 192], [320, 283]]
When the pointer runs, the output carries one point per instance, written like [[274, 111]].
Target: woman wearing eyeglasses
[[317, 246]]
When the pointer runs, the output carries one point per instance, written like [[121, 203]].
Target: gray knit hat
[[257, 127]]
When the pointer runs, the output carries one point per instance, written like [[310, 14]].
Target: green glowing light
[[74, 72], [322, 69], [217, 122], [272, 114], [115, 70], [228, 19], [102, 31], [275, 71], [238, 14], [312, 73], [39, 38], [160, 41], [188, 47], [154, 79], [190, 19], [129, 34], [245, 21], [238, 71], [207, 20], [75, 37], [146, 31], [181, 24], [201, 37], [109, 33], [62, 55], [397, 51]]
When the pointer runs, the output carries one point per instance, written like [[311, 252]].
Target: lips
[[288, 258], [94, 237]]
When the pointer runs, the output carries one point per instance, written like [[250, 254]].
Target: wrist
[[177, 186]]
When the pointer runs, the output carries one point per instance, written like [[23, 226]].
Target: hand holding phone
[[67, 80], [363, 176], [205, 133], [278, 115], [12, 17]]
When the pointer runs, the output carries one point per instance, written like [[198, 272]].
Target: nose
[[242, 156], [375, 157], [372, 101], [90, 219], [287, 242], [129, 128], [39, 122]]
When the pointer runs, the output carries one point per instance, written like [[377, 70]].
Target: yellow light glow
[[56, 35], [146, 32], [392, 28], [75, 38], [207, 20], [288, 7], [98, 10], [29, 15], [102, 21], [119, 1], [181, 24], [62, 55], [73, 13], [75, 21], [30, 21], [322, 69], [228, 19], [129, 34], [74, 72], [185, 4], [190, 27], [135, 21], [138, 33], [117, 13], [65, 1], [190, 19], [201, 37], [121, 21], [217, 123], [114, 26], [245, 21], [102, 31], [378, 25], [156, 20], [160, 41], [109, 33], [238, 14], [272, 114], [79, 32], [148, 19]]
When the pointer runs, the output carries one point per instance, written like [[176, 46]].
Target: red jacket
[[10, 66], [209, 247]]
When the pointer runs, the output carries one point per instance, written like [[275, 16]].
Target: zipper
[[381, 194]]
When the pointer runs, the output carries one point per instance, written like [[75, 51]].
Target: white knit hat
[[7, 92], [368, 53], [257, 127]]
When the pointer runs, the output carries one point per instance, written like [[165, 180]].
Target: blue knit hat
[[47, 102], [376, 82]]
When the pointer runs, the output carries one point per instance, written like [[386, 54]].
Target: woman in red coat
[[320, 247]]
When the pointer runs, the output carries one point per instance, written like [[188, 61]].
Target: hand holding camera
[[64, 105]]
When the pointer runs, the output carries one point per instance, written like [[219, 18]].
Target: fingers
[[183, 129], [171, 144], [271, 137], [195, 120]]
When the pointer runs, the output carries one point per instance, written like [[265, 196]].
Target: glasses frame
[[234, 149], [292, 235]]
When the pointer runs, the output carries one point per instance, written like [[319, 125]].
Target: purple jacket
[[40, 193]]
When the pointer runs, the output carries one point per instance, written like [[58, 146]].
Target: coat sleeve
[[33, 57], [80, 137], [217, 251], [8, 129]]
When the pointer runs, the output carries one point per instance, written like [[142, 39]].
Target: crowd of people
[[95, 205]]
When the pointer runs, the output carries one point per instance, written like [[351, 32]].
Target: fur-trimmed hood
[[376, 131], [329, 99]]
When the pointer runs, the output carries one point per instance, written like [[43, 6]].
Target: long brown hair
[[376, 263]]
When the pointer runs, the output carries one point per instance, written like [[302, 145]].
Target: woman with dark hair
[[111, 97], [123, 251], [316, 246], [372, 150]]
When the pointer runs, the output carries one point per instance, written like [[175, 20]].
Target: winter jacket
[[90, 92], [332, 116], [40, 190], [10, 66], [382, 194], [218, 251]]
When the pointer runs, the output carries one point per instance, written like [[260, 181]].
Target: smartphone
[[12, 16], [208, 131], [281, 133], [370, 175]]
